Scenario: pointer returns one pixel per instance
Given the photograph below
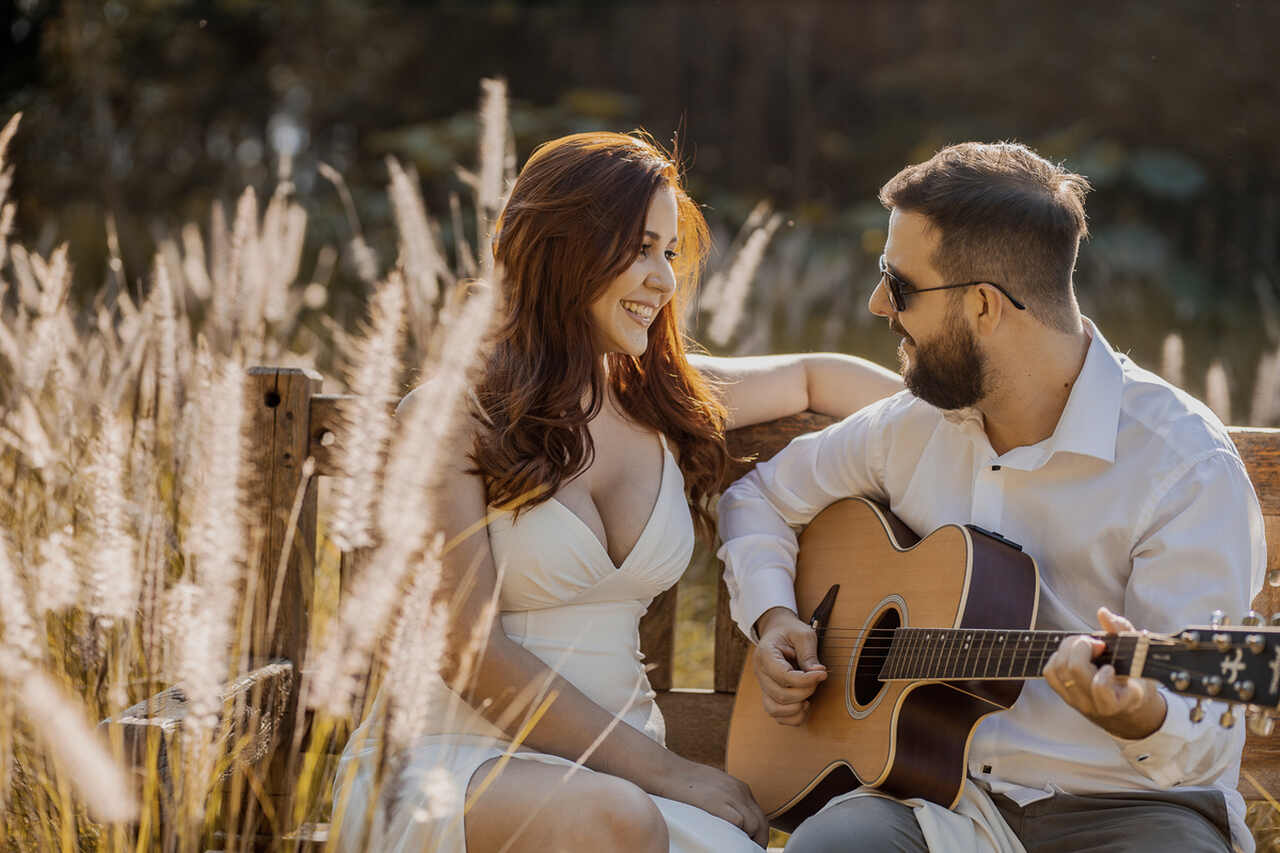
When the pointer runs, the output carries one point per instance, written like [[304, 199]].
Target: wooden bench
[[291, 421]]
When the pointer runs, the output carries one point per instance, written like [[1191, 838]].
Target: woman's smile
[[641, 312]]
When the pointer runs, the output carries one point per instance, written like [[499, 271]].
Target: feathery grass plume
[[161, 308], [112, 569], [205, 603], [363, 259], [713, 289], [216, 542], [249, 272], [19, 632], [1265, 408], [82, 758], [7, 208], [733, 296], [403, 513], [57, 581], [420, 256], [414, 652], [490, 190], [1172, 359], [366, 417], [284, 229], [1217, 391], [464, 258], [28, 435], [195, 268], [43, 289]]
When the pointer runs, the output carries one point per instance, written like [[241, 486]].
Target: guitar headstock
[[1239, 665]]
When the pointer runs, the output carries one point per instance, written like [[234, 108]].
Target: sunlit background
[[140, 117], [148, 110]]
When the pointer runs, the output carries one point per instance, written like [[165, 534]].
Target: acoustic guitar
[[922, 638]]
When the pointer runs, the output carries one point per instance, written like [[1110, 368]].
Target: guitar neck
[[949, 654]]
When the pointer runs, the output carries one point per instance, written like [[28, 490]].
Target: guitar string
[[1152, 668]]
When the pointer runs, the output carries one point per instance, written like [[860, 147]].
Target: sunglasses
[[898, 288]]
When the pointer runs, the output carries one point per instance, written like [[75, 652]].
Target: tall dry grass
[[126, 554], [127, 561], [127, 565]]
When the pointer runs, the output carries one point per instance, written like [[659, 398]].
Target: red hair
[[574, 222]]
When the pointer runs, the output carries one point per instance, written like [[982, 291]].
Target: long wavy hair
[[574, 222]]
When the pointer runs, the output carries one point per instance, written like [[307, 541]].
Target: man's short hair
[[1005, 214]]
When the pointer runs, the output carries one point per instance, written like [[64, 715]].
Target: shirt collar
[[1089, 422]]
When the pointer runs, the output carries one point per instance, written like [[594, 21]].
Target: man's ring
[[1067, 683]]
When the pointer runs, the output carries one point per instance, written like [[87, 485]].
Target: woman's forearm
[[762, 388], [839, 385], [508, 684]]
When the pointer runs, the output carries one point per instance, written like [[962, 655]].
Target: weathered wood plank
[[278, 422], [1260, 450], [731, 644], [327, 431], [761, 442], [697, 723], [657, 638], [323, 432], [1262, 761]]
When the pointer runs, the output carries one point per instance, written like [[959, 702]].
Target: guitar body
[[907, 738]]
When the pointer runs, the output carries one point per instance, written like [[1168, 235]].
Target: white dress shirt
[[1138, 501]]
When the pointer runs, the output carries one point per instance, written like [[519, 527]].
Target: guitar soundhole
[[866, 682]]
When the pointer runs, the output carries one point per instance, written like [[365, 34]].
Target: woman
[[595, 436]]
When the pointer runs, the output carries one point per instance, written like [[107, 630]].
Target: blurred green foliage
[[151, 109]]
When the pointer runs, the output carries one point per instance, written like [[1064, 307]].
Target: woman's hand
[[715, 792]]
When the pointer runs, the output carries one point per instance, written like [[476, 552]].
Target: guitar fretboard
[[949, 654]]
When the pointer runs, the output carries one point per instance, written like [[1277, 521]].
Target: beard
[[950, 370]]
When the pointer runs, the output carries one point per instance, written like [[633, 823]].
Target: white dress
[[562, 599]]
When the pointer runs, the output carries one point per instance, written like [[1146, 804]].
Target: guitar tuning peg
[[1259, 721], [1228, 719], [1253, 617], [1197, 713], [1217, 619]]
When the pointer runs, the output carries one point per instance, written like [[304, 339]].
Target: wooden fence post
[[278, 415]]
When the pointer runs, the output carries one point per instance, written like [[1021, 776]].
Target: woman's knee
[[618, 815]]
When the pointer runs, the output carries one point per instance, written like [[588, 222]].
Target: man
[[1020, 418]]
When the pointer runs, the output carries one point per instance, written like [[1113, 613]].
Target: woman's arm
[[761, 388], [495, 677]]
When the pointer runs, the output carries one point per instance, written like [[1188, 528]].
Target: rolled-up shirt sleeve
[[760, 514], [1203, 548]]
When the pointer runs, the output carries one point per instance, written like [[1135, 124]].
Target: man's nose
[[878, 303]]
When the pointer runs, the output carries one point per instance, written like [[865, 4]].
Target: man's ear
[[989, 307]]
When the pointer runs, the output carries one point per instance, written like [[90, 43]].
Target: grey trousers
[[1131, 822]]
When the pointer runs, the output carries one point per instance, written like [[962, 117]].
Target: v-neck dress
[[562, 598]]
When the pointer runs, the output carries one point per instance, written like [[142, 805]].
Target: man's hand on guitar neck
[[1130, 708], [786, 664]]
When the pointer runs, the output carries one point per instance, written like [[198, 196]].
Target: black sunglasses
[[899, 288]]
